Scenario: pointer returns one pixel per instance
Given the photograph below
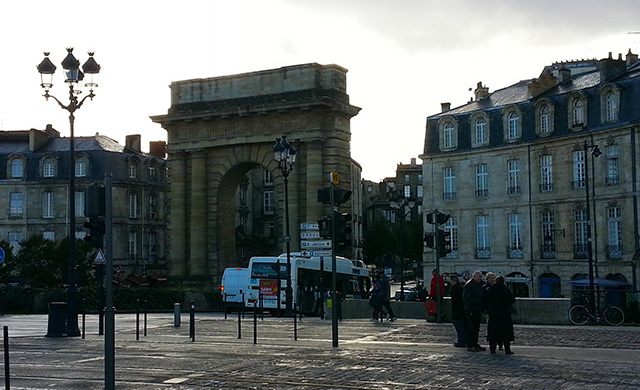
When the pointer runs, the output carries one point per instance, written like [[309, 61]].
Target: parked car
[[410, 294]]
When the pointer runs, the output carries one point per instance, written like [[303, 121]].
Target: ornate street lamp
[[74, 77], [595, 152], [285, 155]]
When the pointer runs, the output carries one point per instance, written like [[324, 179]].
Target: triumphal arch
[[222, 128]]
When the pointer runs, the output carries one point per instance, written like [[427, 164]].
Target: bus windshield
[[268, 271]]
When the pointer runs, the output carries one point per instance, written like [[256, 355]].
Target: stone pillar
[[178, 219], [198, 220], [314, 175]]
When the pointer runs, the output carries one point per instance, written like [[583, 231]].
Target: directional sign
[[315, 244], [99, 259], [1, 255], [309, 226], [308, 235]]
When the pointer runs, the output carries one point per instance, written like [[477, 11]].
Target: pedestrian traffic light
[[94, 201], [437, 218], [444, 242], [340, 195], [429, 241], [324, 226], [96, 231]]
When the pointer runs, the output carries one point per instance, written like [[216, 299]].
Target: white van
[[235, 283]]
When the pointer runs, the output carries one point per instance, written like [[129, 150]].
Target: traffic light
[[437, 218], [444, 242], [96, 231], [324, 225], [340, 195], [94, 201], [429, 241], [343, 229]]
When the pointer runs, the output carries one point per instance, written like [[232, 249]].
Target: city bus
[[310, 285]]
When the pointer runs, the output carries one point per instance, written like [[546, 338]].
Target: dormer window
[[577, 112], [544, 118], [610, 104], [133, 170], [17, 168], [448, 130], [514, 129], [448, 135], [512, 122], [49, 167], [82, 166]]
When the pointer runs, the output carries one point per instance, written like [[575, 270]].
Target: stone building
[[226, 187], [34, 184], [521, 169]]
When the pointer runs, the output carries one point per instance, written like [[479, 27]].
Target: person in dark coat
[[376, 299], [500, 326], [474, 305], [386, 299], [457, 312]]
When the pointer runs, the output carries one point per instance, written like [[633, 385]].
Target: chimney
[[133, 142], [610, 68], [158, 149], [51, 132], [631, 58], [445, 106], [481, 91], [413, 161], [564, 74]]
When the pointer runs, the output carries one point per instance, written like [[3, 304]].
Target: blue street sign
[[1, 255]]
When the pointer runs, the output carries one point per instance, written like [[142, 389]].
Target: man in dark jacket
[[457, 311], [473, 296]]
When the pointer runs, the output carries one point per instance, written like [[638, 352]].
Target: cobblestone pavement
[[407, 354]]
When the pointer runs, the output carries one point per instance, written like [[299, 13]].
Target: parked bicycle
[[580, 315]]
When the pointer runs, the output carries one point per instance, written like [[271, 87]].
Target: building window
[[419, 177], [81, 166], [51, 236], [268, 203], [49, 167], [17, 168], [449, 176], [610, 106], [269, 229], [578, 112], [580, 222], [153, 172], [513, 126], [152, 206], [406, 178], [133, 205], [47, 204], [452, 227], [545, 120], [15, 205], [448, 136], [548, 250], [482, 181], [482, 237], [267, 177], [133, 170], [546, 173], [613, 165], [481, 131], [578, 169], [79, 204], [407, 191], [420, 191], [133, 245], [513, 180], [515, 237], [614, 222]]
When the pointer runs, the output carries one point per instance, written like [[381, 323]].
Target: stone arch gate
[[222, 127]]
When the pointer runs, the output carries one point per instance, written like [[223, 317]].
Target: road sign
[[326, 244], [309, 226], [308, 235], [99, 259], [1, 255]]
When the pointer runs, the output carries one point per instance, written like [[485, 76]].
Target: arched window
[[133, 170], [448, 135], [481, 131], [545, 120], [49, 167], [514, 130], [82, 166], [611, 107], [578, 112], [17, 168]]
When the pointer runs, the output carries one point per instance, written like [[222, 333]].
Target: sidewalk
[[407, 354]]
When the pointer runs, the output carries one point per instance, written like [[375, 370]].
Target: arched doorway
[[550, 285], [518, 283]]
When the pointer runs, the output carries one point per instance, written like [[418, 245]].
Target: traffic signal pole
[[334, 273], [437, 275], [109, 338]]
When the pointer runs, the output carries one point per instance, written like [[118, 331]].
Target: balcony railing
[[614, 252], [546, 187], [449, 196], [483, 253], [580, 251], [482, 193], [548, 251], [515, 252], [514, 190], [612, 180], [577, 184]]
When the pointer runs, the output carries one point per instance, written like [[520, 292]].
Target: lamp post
[[285, 155], [74, 77], [399, 204], [595, 152]]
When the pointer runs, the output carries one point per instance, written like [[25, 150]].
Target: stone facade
[[34, 184], [512, 168], [221, 128]]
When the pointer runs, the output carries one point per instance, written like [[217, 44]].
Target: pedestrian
[[457, 311], [500, 327], [386, 298], [490, 278], [376, 299], [435, 281], [473, 296]]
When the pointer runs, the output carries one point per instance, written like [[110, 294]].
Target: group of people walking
[[380, 298], [471, 300]]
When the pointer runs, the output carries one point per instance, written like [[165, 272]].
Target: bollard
[[84, 315], [224, 305], [239, 324], [192, 321], [138, 321], [176, 315], [295, 323], [261, 307], [255, 322], [145, 317], [57, 325], [6, 358]]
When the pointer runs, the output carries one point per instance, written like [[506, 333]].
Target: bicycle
[[580, 315]]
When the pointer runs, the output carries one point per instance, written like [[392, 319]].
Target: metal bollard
[[255, 322], [239, 324], [176, 315], [224, 305], [6, 357], [295, 323], [192, 321], [138, 319], [145, 317]]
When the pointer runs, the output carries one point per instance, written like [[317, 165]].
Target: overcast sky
[[404, 57]]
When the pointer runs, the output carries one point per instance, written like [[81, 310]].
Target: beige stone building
[[223, 175], [514, 169]]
